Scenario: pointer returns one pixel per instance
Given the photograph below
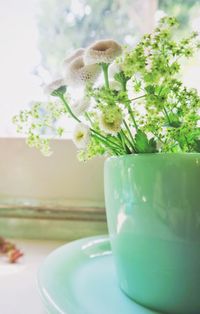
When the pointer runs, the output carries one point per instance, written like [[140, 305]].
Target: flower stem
[[68, 108], [125, 147], [167, 116], [123, 83], [129, 132], [105, 138], [105, 73], [131, 112], [88, 117], [138, 97], [187, 143], [116, 150], [132, 115], [128, 141]]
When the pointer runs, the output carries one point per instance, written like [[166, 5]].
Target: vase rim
[[154, 155]]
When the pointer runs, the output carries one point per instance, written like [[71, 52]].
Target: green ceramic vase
[[153, 213]]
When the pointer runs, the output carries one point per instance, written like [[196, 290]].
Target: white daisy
[[81, 135]]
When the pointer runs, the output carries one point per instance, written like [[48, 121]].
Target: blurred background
[[37, 35]]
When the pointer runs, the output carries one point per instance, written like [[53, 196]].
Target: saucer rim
[[50, 305]]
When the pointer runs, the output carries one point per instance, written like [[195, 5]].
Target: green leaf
[[174, 121], [197, 146], [120, 77], [143, 145], [150, 89]]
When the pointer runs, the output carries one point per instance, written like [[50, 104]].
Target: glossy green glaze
[[80, 278], [153, 213]]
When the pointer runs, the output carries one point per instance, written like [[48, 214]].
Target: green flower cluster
[[172, 109], [143, 108], [38, 122]]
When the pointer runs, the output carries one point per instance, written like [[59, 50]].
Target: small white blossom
[[102, 51], [172, 60], [131, 93], [130, 89], [113, 69], [53, 86], [81, 135], [163, 132], [147, 51], [140, 108], [150, 135], [115, 85], [149, 64], [159, 15], [175, 110]]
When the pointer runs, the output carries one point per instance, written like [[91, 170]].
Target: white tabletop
[[18, 286]]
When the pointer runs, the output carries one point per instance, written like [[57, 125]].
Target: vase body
[[153, 214]]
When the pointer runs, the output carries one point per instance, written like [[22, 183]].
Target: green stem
[[68, 108], [88, 117], [123, 84], [166, 113], [123, 142], [105, 138], [128, 141], [123, 81], [116, 150], [132, 115], [105, 73], [129, 132], [187, 143], [138, 97]]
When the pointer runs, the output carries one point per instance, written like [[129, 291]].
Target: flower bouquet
[[129, 101]]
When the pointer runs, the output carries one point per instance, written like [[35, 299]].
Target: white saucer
[[80, 278]]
